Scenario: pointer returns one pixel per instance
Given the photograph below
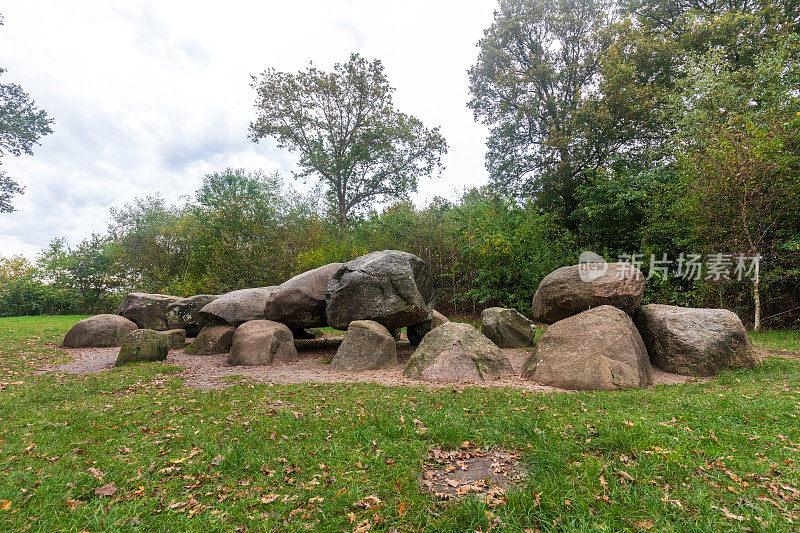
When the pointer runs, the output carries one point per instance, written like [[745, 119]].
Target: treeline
[[247, 229], [664, 131]]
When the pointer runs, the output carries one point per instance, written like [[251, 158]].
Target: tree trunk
[[341, 197], [756, 299]]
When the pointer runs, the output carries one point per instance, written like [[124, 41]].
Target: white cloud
[[149, 96]]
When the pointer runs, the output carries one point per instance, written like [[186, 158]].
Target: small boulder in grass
[[213, 339], [507, 328], [99, 331], [143, 345], [262, 342], [367, 345], [457, 353], [694, 341], [176, 338]]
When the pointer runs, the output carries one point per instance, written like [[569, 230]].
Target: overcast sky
[[149, 96]]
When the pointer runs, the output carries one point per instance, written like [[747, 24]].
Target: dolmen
[[371, 297], [598, 335]]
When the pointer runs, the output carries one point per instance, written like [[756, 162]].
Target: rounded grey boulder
[[143, 345], [185, 313], [262, 342], [367, 345], [693, 341], [148, 311], [300, 302], [238, 307], [389, 287], [598, 349], [507, 328], [212, 339], [416, 332], [570, 290], [99, 331], [457, 353]]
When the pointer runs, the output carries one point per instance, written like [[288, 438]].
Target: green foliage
[[82, 276], [738, 152], [345, 128], [22, 291], [563, 94], [237, 232], [508, 249], [150, 244]]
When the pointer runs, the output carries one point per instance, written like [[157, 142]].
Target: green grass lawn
[[720, 455]]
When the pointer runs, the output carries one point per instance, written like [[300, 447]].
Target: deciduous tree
[[346, 130]]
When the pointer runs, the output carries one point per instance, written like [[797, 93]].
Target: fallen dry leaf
[[96, 472], [73, 504], [730, 515], [363, 527], [106, 490], [5, 505], [626, 476], [368, 502], [269, 498]]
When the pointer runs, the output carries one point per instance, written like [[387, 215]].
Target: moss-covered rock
[[143, 345]]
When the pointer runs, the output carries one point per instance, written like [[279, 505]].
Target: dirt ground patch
[[488, 474], [779, 353], [213, 371]]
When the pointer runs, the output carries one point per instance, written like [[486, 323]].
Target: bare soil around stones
[[213, 371]]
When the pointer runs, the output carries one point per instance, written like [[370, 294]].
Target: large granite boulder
[[416, 332], [571, 289], [300, 302], [695, 342], [185, 313], [143, 345], [389, 287], [457, 353], [98, 331], [147, 311], [262, 342], [507, 328], [238, 307], [598, 349], [367, 345], [212, 339]]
